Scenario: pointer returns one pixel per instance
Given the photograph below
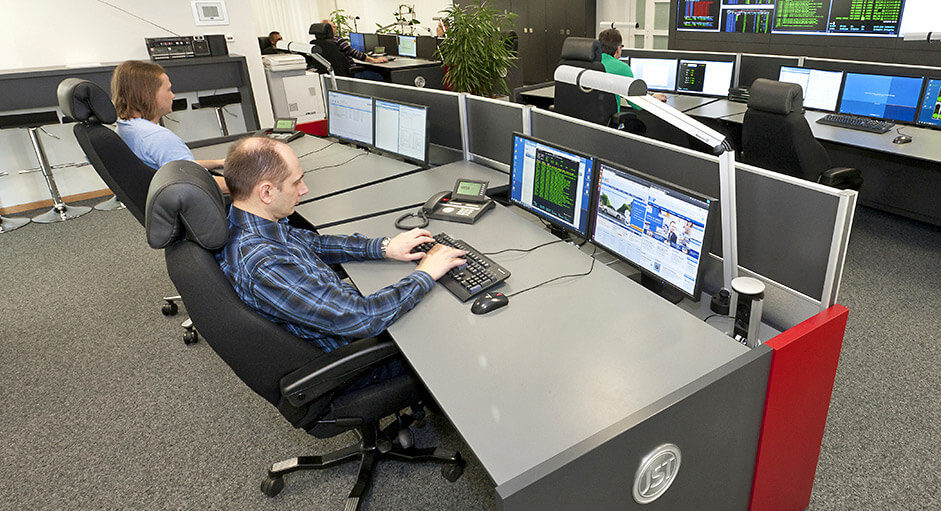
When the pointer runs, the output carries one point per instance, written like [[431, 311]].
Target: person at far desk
[[611, 45], [141, 92], [282, 272], [352, 53]]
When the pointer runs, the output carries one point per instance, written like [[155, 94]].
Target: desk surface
[[560, 363], [403, 192], [400, 63]]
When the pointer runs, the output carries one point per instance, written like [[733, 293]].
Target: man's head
[[274, 37], [264, 177], [141, 89], [610, 40], [332, 26]]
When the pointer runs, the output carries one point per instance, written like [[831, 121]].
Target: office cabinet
[[543, 26]]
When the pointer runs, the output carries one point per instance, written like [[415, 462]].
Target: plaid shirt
[[282, 272]]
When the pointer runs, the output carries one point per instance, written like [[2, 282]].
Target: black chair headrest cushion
[[185, 202], [321, 31], [775, 97], [581, 48], [85, 101]]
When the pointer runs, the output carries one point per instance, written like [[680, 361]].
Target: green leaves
[[341, 21], [476, 51]]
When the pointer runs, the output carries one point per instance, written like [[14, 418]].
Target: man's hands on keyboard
[[440, 259], [402, 246]]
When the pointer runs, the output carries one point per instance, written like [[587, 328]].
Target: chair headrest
[[185, 202], [581, 48], [85, 101], [775, 97], [321, 31]]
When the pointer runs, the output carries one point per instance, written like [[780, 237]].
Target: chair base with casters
[[111, 204], [11, 224], [60, 211], [170, 308]]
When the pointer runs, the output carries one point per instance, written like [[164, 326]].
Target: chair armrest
[[623, 116], [334, 369], [842, 178]]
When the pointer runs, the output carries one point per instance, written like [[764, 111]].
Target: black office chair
[[594, 106], [323, 38], [124, 173], [186, 217], [776, 136]]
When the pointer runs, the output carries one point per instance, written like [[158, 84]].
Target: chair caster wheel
[[170, 309], [272, 486], [190, 337], [405, 438], [453, 472], [384, 445]]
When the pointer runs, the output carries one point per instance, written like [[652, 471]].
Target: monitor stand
[[657, 286]]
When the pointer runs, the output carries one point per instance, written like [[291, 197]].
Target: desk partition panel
[[443, 107], [490, 136]]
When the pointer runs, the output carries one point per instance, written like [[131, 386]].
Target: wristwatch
[[384, 246]]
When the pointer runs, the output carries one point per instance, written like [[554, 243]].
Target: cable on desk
[[521, 249], [336, 165], [700, 106], [595, 249], [315, 151]]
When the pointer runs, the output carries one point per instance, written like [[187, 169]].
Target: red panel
[[802, 372], [318, 128]]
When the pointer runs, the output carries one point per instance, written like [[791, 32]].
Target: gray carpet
[[103, 407]]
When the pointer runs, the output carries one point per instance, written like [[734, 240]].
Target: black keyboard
[[856, 123], [475, 277]]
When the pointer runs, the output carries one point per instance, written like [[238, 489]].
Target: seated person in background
[[610, 40], [352, 53], [283, 272], [141, 95], [273, 38]]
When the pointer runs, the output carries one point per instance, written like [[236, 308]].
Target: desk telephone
[[283, 130], [465, 204]]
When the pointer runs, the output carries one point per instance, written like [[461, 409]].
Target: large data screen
[[552, 182], [705, 77], [654, 227], [658, 74], [402, 129], [885, 97], [821, 88], [930, 111], [349, 116]]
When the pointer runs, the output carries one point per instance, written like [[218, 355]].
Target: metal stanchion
[[9, 224], [60, 211], [110, 205], [220, 116]]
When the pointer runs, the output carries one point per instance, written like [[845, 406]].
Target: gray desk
[[396, 194], [410, 71], [562, 392]]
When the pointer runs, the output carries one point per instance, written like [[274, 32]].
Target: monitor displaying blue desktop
[[350, 117], [408, 46], [358, 41], [402, 129], [709, 77], [930, 110], [885, 97], [661, 228], [658, 74], [552, 182], [821, 88]]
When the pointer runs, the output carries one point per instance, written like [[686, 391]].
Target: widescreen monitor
[[930, 110], [658, 74], [358, 41], [349, 117], [708, 77], [408, 46], [821, 88], [885, 97], [661, 228], [371, 41], [402, 129], [552, 182]]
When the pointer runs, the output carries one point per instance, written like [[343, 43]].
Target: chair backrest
[[186, 216], [775, 134], [594, 106], [124, 173], [323, 38]]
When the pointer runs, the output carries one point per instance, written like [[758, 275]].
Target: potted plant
[[341, 21], [475, 51]]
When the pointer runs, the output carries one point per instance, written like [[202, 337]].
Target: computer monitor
[[659, 227], [821, 88], [389, 43], [402, 129], [370, 41], [885, 97], [357, 41], [708, 77], [658, 74], [930, 110], [552, 182], [349, 117], [408, 46]]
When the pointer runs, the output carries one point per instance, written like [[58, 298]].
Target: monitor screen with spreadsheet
[[821, 88], [349, 116], [402, 129]]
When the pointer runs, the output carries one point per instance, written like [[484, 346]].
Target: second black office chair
[[776, 136], [185, 216], [323, 38]]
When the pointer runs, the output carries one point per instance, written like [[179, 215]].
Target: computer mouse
[[489, 302], [902, 139]]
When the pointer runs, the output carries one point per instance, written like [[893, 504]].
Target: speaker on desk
[[217, 45]]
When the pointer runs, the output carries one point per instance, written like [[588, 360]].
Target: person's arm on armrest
[[211, 164]]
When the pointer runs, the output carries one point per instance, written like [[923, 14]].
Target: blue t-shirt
[[152, 143]]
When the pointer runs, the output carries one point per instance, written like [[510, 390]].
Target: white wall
[[44, 33], [372, 12]]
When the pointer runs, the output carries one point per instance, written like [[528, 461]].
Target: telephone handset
[[435, 200], [465, 204]]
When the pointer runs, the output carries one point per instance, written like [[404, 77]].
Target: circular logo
[[656, 473], [419, 81]]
